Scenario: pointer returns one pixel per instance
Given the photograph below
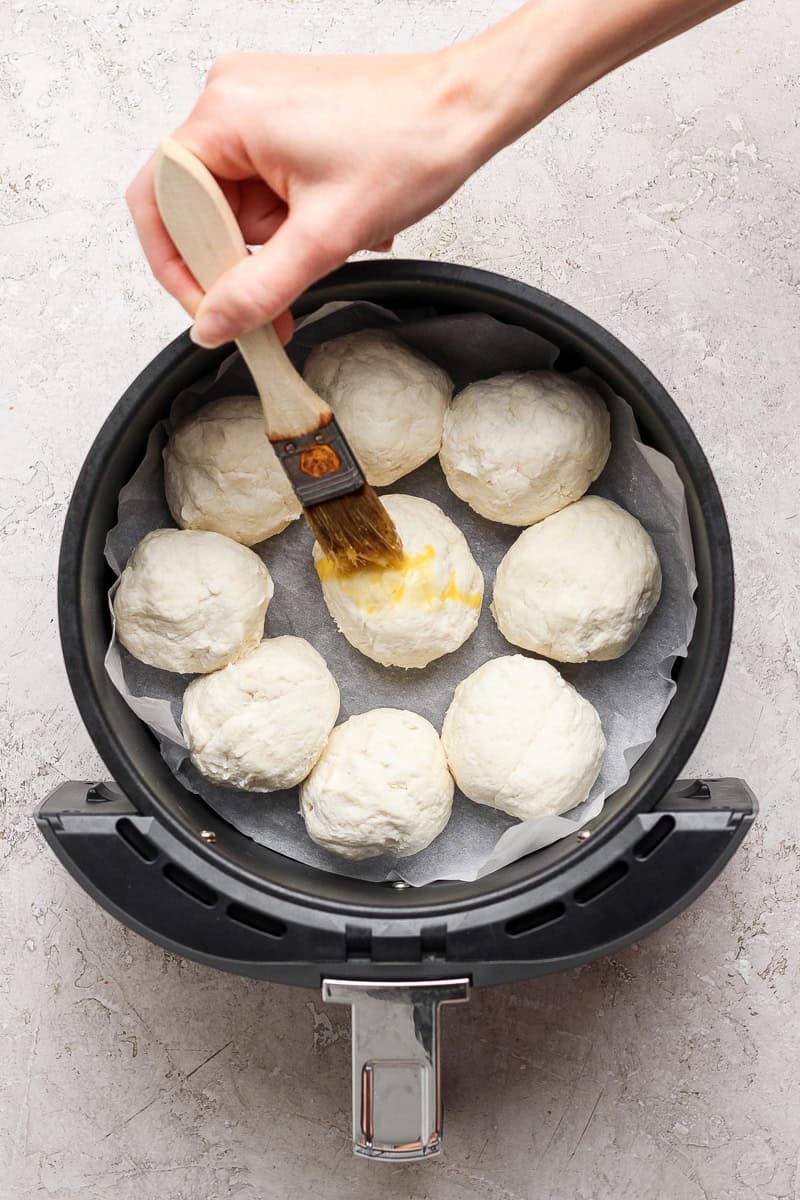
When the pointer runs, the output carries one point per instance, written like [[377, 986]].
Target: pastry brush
[[344, 513]]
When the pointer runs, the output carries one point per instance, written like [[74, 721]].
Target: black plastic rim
[[131, 753]]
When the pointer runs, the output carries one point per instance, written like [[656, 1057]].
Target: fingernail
[[209, 331], [190, 303]]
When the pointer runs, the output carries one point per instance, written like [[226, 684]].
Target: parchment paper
[[630, 694]]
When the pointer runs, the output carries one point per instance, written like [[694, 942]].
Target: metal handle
[[397, 1099]]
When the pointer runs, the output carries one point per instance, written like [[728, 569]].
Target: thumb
[[260, 287]]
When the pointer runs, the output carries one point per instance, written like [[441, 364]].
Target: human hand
[[319, 158]]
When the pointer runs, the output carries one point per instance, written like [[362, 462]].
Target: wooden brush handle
[[200, 222]]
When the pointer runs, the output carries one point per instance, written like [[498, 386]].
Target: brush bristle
[[356, 531]]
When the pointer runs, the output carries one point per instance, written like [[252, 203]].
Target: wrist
[[516, 73], [509, 78]]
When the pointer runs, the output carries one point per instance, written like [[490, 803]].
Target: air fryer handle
[[397, 1101], [621, 889]]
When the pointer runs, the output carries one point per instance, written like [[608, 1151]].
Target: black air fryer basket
[[161, 861]]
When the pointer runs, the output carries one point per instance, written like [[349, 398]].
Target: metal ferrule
[[320, 466]]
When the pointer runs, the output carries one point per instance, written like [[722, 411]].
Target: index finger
[[165, 261]]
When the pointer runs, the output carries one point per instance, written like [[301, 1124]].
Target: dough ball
[[262, 722], [411, 615], [221, 473], [191, 602], [519, 447], [381, 787], [389, 400], [580, 585], [518, 737]]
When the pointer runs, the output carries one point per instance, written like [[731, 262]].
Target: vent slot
[[263, 922], [358, 941], [654, 837], [136, 840], [537, 918], [433, 941], [190, 885], [601, 883]]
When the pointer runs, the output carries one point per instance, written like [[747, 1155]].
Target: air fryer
[[162, 862]]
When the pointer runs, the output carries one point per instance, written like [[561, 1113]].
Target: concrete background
[[665, 204]]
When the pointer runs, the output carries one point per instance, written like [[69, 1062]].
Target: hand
[[319, 158]]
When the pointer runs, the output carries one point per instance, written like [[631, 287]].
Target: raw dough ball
[[261, 723], [409, 616], [579, 585], [189, 601], [381, 787], [221, 473], [518, 737], [521, 446], [389, 400]]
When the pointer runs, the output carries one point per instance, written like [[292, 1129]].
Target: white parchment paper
[[630, 694]]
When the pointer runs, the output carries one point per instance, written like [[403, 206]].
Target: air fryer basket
[[165, 864]]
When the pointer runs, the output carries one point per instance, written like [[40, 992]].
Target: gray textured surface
[[665, 204]]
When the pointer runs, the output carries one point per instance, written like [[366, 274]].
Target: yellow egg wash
[[414, 583]]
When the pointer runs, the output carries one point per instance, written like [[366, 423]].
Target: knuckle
[[257, 297], [335, 239], [340, 243], [223, 66], [247, 299], [134, 192]]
